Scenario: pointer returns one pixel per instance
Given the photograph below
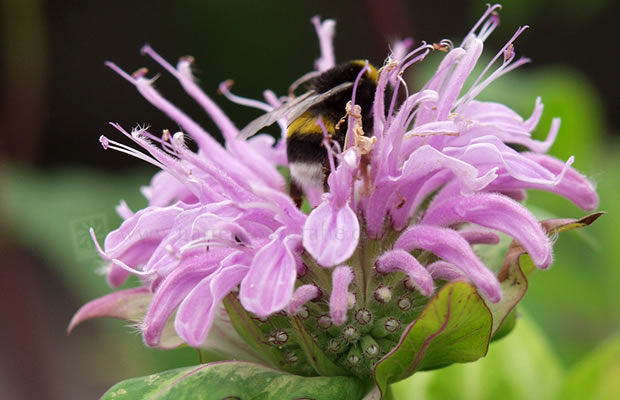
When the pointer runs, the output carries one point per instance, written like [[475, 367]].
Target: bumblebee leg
[[296, 193]]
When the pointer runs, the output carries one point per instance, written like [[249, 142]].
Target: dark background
[[56, 98]]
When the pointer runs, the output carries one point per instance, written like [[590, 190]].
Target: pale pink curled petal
[[487, 118], [282, 205], [197, 311], [169, 294], [269, 284], [325, 31], [400, 260], [496, 212], [451, 247], [339, 299], [378, 112], [137, 237], [427, 159], [302, 295], [445, 271], [574, 186], [489, 150], [331, 234], [128, 305], [479, 236], [419, 169]]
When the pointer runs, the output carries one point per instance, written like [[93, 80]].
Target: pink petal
[[449, 245], [137, 237], [400, 260], [128, 305], [339, 299], [445, 271], [496, 212], [169, 294], [419, 168], [197, 312], [331, 234], [302, 295], [478, 236], [574, 186], [269, 284]]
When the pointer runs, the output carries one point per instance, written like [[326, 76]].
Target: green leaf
[[596, 376], [520, 366], [234, 380], [454, 327]]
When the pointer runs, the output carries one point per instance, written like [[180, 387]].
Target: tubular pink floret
[[445, 271], [339, 299], [184, 75], [302, 295], [400, 49], [451, 247], [497, 212], [325, 31], [478, 236], [400, 260]]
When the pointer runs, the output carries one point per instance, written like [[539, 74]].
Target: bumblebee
[[327, 97]]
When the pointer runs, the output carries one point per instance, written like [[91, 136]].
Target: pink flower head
[[402, 212]]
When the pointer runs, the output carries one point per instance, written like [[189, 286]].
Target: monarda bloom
[[392, 269]]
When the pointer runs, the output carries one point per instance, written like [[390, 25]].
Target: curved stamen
[[122, 148], [115, 261], [224, 88], [489, 11], [507, 60]]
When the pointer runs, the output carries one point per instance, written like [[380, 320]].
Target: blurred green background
[[56, 181]]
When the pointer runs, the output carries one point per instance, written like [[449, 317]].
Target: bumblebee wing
[[301, 108], [291, 110], [271, 117]]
